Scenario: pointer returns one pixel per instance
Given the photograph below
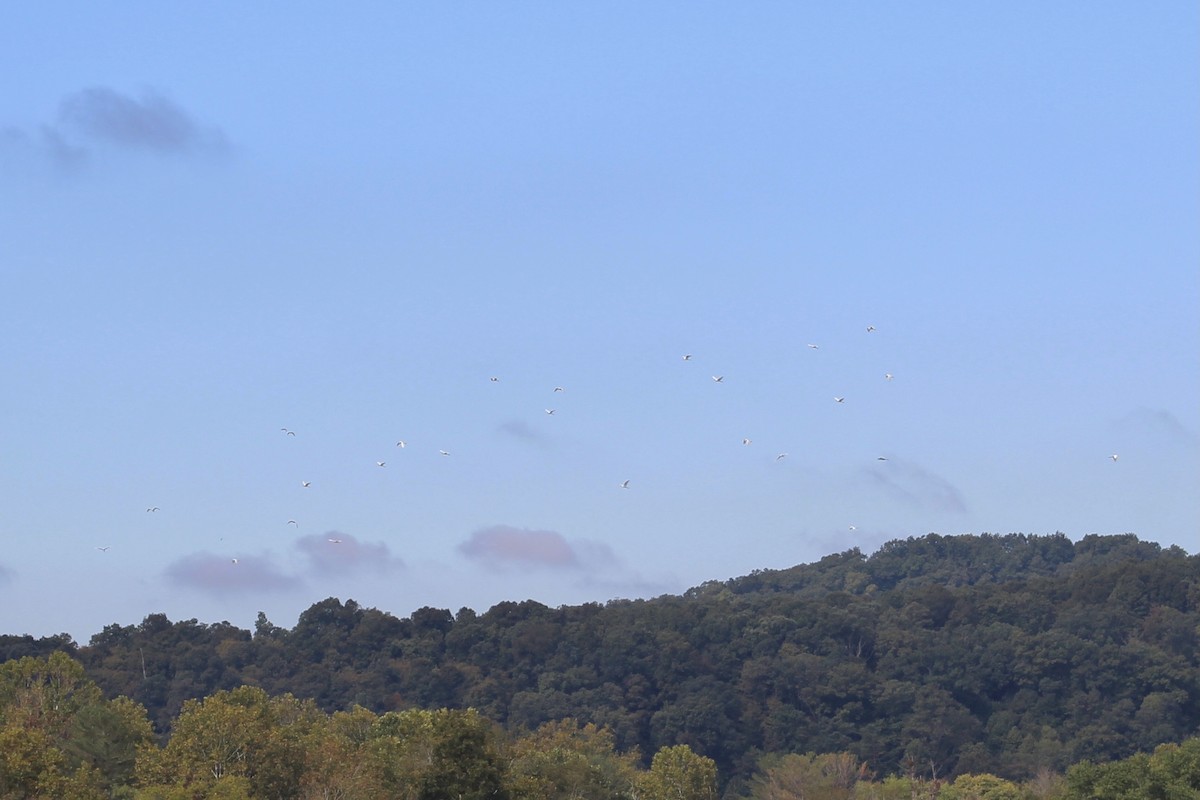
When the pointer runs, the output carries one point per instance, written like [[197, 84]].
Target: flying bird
[[781, 456], [152, 508], [815, 346], [745, 441], [870, 329], [335, 541], [306, 484], [719, 378], [549, 410], [381, 463], [887, 376], [839, 399], [624, 484], [234, 560], [558, 388], [444, 452], [104, 549], [289, 433], [687, 356], [494, 379], [293, 522], [1114, 456], [881, 458], [401, 443]]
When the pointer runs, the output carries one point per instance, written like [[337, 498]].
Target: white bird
[[558, 388], [719, 378], [870, 329], [444, 452], [887, 376], [815, 346], [745, 441], [153, 508], [624, 484], [781, 456], [104, 549], [853, 527], [335, 541], [234, 560], [381, 463], [1114, 456], [306, 484], [401, 443], [839, 399], [549, 410], [687, 356], [494, 379]]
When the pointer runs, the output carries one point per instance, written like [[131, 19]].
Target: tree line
[[935, 657], [60, 738]]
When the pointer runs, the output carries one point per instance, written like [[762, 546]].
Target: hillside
[[1001, 654]]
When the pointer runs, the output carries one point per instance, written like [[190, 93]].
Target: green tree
[[240, 733], [831, 776], [677, 773], [981, 787], [567, 761]]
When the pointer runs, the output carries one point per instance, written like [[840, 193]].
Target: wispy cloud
[[632, 585], [341, 554], [207, 572], [149, 122], [917, 486], [503, 546], [518, 429], [1157, 427], [99, 117]]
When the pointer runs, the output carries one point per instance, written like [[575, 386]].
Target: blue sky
[[220, 224]]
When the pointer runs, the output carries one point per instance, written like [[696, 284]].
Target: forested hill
[[1001, 654]]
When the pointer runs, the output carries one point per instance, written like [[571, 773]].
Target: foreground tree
[[677, 773], [566, 761], [241, 734], [59, 737]]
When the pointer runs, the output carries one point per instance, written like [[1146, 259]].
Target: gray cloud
[[917, 486], [521, 430], [99, 116], [346, 555], [633, 585], [503, 546], [151, 122], [212, 573], [1158, 428]]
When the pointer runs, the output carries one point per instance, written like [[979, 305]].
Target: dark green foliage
[[982, 654]]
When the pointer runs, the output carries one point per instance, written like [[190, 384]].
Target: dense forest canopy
[[1007, 655]]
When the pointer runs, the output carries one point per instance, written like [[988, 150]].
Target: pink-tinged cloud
[[206, 572], [341, 554], [503, 546]]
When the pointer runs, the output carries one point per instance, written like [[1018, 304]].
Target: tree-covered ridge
[[967, 655], [59, 738]]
